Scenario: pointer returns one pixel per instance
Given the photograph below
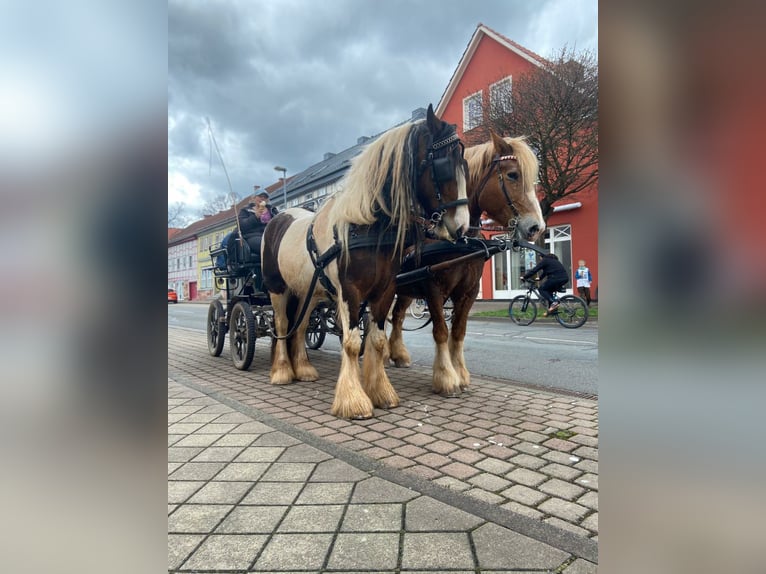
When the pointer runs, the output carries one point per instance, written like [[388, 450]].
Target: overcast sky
[[285, 81]]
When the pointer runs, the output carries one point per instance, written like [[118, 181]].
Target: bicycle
[[571, 313]]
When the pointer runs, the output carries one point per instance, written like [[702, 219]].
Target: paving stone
[[467, 456], [524, 495], [235, 439], [426, 514], [436, 550], [174, 438], [289, 472], [217, 428], [183, 428], [494, 466], [267, 493], [587, 466], [365, 551], [423, 471], [581, 566], [498, 547], [235, 417], [589, 499], [199, 418], [526, 477], [561, 489], [562, 458], [253, 427], [180, 490], [433, 460], [218, 454], [397, 461], [459, 470], [243, 471], [197, 518], [530, 448], [569, 511], [295, 552], [197, 471], [561, 471], [274, 438], [182, 454], [226, 552], [220, 493], [335, 470], [312, 518], [202, 440], [588, 481], [373, 518], [591, 523], [587, 452], [489, 482], [523, 510], [378, 490], [260, 454], [252, 519], [180, 546], [172, 466], [326, 493], [303, 453]]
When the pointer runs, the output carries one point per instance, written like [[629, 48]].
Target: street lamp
[[284, 182]]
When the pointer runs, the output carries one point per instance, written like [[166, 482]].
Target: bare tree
[[176, 215], [219, 203], [556, 107]]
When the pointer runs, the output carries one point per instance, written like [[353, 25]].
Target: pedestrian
[[584, 278], [555, 276]]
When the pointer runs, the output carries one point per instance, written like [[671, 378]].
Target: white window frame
[[498, 90], [468, 118]]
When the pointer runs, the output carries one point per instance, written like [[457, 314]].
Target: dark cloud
[[284, 82]]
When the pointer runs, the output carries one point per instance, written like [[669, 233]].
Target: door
[[192, 290]]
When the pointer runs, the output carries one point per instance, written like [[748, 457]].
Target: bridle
[[442, 167], [495, 164]]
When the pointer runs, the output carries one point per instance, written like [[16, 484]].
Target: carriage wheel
[[522, 311], [216, 330], [572, 312], [242, 335], [418, 308], [316, 330]]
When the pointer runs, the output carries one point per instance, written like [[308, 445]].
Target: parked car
[[172, 296]]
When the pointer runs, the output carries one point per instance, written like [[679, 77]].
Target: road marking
[[561, 340]]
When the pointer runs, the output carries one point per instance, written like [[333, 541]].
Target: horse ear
[[434, 123], [500, 144]]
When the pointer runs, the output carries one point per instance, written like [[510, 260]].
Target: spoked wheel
[[242, 335], [522, 311], [317, 328], [216, 328], [418, 308], [572, 312]]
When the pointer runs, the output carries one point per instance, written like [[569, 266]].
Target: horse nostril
[[533, 230]]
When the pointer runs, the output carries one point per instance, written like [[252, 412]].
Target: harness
[[442, 169], [495, 164]]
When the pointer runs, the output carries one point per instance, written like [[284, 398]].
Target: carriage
[[410, 189]]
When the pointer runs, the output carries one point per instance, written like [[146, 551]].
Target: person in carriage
[[252, 221]]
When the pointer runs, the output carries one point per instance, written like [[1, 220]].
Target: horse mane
[[380, 181], [479, 159]]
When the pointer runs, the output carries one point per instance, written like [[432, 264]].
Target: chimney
[[328, 155], [418, 114]]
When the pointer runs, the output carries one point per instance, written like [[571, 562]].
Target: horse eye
[[512, 175]]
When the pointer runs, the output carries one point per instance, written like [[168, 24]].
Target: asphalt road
[[543, 354]]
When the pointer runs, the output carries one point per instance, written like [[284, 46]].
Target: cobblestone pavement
[[486, 465]]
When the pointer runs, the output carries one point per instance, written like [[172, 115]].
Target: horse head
[[503, 175], [442, 175]]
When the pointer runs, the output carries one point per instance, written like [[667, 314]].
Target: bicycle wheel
[[572, 312], [522, 310], [418, 308]]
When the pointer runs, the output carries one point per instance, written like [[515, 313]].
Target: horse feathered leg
[[446, 380], [399, 354], [302, 367], [375, 381], [457, 334], [351, 402], [281, 368]]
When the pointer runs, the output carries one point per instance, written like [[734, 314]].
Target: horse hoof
[[401, 364], [361, 417], [451, 394]]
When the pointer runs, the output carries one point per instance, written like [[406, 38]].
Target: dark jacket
[[551, 268]]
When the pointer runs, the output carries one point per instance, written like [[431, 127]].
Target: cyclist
[[555, 277]]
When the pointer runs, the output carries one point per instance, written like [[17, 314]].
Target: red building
[[487, 67]]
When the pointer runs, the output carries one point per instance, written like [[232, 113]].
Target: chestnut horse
[[351, 250], [502, 172]]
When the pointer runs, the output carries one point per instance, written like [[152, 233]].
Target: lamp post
[[284, 182]]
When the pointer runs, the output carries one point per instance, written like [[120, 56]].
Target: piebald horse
[[502, 179], [409, 175]]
